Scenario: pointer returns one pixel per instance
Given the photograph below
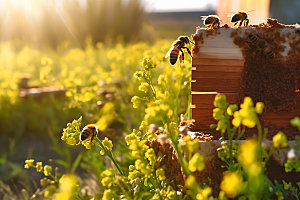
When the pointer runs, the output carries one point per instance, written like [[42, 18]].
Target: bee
[[265, 48], [240, 17], [260, 45], [253, 41], [211, 21], [90, 130], [177, 46]]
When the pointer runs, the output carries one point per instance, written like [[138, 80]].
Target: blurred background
[[52, 21], [62, 59]]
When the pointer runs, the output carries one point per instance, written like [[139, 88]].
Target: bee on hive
[[176, 49], [211, 21], [90, 130], [265, 48], [240, 17], [260, 45]]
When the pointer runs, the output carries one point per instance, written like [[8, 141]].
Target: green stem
[[259, 129], [110, 155], [240, 135], [182, 161], [149, 81], [269, 155]]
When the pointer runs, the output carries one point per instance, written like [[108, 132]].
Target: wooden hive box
[[225, 62]]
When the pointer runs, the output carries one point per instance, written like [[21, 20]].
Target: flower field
[[136, 99]]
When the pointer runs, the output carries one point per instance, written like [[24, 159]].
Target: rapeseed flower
[[39, 166], [232, 184], [67, 185], [29, 163], [248, 152], [47, 170], [196, 163], [160, 174], [280, 140]]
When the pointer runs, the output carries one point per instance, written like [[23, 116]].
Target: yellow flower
[[160, 174], [231, 109], [108, 173], [136, 101], [151, 156], [248, 152], [139, 164], [217, 113], [220, 101], [47, 170], [67, 185], [254, 169], [39, 166], [204, 194], [280, 140], [196, 163], [232, 184], [144, 87], [71, 141], [259, 107], [107, 144], [108, 195], [28, 163], [50, 190], [107, 181]]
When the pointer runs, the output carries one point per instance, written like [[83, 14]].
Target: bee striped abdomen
[[84, 135], [174, 55]]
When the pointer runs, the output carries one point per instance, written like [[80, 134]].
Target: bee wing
[[168, 53], [172, 47]]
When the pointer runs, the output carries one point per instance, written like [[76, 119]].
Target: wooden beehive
[[219, 67]]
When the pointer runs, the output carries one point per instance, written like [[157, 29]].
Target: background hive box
[[218, 66]]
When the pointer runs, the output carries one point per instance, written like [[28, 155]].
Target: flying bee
[[211, 21], [90, 130], [240, 17], [177, 46]]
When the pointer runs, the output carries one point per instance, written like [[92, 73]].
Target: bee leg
[[241, 22], [182, 55], [92, 138], [188, 50], [246, 22], [180, 58]]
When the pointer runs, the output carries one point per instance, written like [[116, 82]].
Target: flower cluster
[[195, 191], [247, 115], [280, 140], [107, 145], [108, 178], [232, 184], [47, 169], [71, 133]]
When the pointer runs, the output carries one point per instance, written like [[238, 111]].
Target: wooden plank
[[213, 62], [218, 68], [215, 74], [217, 55], [282, 119], [219, 50], [208, 98], [215, 85]]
